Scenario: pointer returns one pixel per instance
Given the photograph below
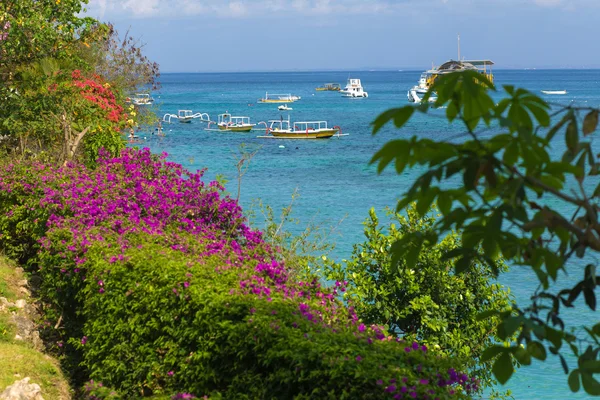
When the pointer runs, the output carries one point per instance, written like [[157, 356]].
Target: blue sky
[[273, 35]]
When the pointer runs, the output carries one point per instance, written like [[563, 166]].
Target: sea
[[332, 181]]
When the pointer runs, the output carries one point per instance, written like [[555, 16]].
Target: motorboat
[[279, 98], [186, 116], [284, 129], [554, 91], [284, 107], [329, 87], [354, 89], [142, 99], [227, 122]]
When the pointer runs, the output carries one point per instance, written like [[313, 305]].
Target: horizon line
[[387, 69]]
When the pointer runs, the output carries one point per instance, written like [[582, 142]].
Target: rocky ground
[[26, 373]]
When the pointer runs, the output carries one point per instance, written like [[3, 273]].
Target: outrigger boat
[[283, 129], [142, 99], [329, 87], [278, 98], [227, 122], [186, 116]]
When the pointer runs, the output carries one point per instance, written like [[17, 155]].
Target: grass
[[9, 279], [19, 359]]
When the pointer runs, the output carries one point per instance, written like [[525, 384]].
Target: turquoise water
[[333, 177]]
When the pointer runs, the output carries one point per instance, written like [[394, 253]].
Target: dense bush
[[156, 286], [428, 302]]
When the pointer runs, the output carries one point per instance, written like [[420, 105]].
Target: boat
[[283, 129], [554, 91], [186, 116], [142, 99], [279, 98], [417, 92], [284, 107], [227, 122], [329, 87], [354, 89]]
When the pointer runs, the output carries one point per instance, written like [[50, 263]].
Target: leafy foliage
[[515, 200], [64, 81], [153, 284], [426, 302]]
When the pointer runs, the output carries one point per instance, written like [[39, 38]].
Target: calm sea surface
[[333, 177]]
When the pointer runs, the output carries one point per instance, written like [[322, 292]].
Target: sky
[[288, 35]]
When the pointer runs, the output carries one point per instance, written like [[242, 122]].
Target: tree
[[427, 302], [513, 197]]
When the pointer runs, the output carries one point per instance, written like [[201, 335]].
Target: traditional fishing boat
[[283, 129], [227, 122], [142, 99], [186, 116], [278, 98], [329, 87]]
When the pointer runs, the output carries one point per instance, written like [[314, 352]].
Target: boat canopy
[[185, 113], [228, 119], [453, 66]]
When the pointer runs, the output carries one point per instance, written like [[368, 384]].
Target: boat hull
[[245, 128], [315, 134], [276, 101], [185, 120]]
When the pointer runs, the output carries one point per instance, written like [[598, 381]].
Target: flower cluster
[[4, 31], [98, 93]]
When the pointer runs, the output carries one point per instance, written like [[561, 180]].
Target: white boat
[[278, 98], [284, 129], [554, 91], [227, 122], [142, 99], [284, 107], [186, 116], [354, 89]]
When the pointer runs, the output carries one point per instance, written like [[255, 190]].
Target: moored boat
[[554, 91], [283, 129], [354, 89], [417, 92], [284, 107], [278, 98], [186, 116], [227, 122], [329, 87], [142, 99]]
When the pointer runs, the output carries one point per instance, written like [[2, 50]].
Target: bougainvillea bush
[[155, 286]]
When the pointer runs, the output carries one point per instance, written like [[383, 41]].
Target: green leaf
[[590, 122], [399, 115], [537, 350], [572, 137], [591, 366], [491, 352], [574, 381], [590, 384], [503, 368]]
